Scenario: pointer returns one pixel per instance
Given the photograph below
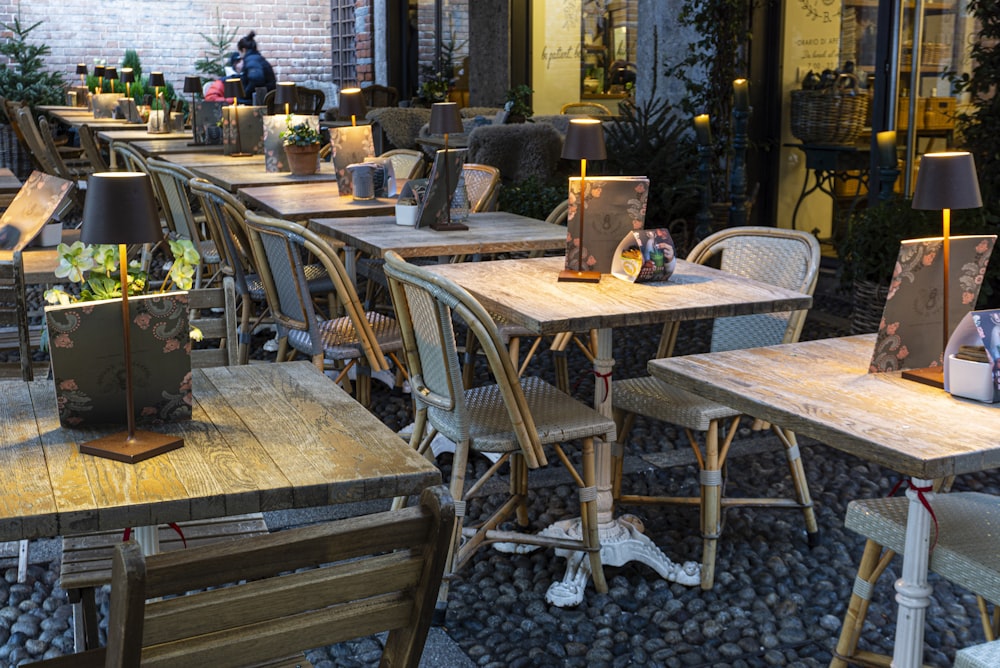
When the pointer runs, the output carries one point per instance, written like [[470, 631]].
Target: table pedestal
[[621, 539], [913, 594]]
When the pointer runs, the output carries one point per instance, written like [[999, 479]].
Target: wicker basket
[[829, 116]]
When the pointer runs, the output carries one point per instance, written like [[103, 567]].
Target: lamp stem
[[946, 257], [127, 345], [194, 120], [354, 124], [447, 180], [583, 201]]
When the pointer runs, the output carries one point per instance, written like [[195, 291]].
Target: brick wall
[[293, 35]]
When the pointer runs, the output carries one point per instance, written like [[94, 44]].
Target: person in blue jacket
[[257, 72]]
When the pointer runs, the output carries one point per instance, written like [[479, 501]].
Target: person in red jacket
[[215, 92]]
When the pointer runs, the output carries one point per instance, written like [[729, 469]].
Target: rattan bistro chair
[[407, 163], [511, 418], [965, 553], [359, 336], [785, 258]]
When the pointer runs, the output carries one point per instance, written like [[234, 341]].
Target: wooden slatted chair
[[965, 553], [285, 592], [86, 558], [380, 96], [512, 418], [786, 258], [90, 148], [75, 169], [360, 336]]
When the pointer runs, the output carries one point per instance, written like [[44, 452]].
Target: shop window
[[609, 29]]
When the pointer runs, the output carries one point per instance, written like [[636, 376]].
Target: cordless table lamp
[[945, 181], [192, 85], [234, 88], [157, 82], [285, 94], [445, 119], [81, 69], [352, 103], [111, 74], [120, 209], [99, 73], [584, 141], [128, 78]]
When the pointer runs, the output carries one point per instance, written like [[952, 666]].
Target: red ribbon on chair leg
[[606, 377], [923, 501], [173, 525]]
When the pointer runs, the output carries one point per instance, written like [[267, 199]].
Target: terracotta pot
[[303, 160]]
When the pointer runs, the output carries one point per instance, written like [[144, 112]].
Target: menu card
[[613, 207]]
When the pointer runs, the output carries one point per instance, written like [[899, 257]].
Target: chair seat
[[655, 399], [986, 655], [340, 338], [557, 418], [968, 539]]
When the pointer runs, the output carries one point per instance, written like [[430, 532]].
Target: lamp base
[[240, 155], [448, 227], [580, 276], [146, 444], [932, 375]]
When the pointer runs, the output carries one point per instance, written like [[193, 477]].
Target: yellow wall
[[555, 66]]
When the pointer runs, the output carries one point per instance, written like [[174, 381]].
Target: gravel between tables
[[776, 602]]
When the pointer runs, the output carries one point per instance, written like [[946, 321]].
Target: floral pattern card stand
[[351, 144], [614, 206], [39, 199], [274, 145], [208, 116], [88, 366], [250, 138], [909, 335], [437, 194]]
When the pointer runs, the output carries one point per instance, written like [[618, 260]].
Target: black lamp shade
[[98, 70], [192, 84], [947, 181], [110, 72], [284, 93], [352, 103], [120, 209], [233, 88], [81, 68], [156, 79], [128, 76], [445, 118], [584, 140]]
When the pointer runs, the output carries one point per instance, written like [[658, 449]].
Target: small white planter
[[406, 214]]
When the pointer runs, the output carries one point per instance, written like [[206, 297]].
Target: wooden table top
[[822, 389], [300, 201], [528, 292], [138, 133], [262, 437], [200, 159], [489, 232], [159, 147], [232, 177]]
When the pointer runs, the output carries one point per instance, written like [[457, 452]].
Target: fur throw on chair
[[400, 124], [519, 150]]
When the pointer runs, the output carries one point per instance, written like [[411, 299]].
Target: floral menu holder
[[435, 197], [614, 206], [909, 335], [250, 137], [40, 199], [351, 144], [274, 146], [208, 122], [88, 363]]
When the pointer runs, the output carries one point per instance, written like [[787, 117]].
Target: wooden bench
[[289, 591], [86, 562]]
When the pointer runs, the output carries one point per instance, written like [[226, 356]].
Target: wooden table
[[203, 158], [232, 177], [822, 389], [262, 437], [138, 133], [303, 201], [528, 293], [489, 232]]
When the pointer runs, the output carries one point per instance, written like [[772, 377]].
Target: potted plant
[[518, 104], [302, 144]]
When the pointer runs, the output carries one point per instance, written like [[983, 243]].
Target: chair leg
[[519, 488], [588, 512], [457, 489], [711, 505], [798, 474], [873, 562]]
